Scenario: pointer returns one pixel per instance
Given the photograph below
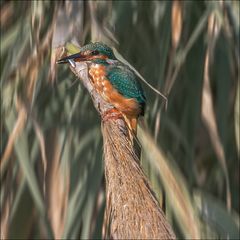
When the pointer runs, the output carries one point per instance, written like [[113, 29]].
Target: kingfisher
[[114, 81]]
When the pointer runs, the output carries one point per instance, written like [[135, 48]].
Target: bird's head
[[90, 52]]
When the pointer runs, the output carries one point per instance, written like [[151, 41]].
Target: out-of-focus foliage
[[51, 146]]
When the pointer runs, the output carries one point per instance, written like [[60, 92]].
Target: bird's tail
[[131, 123]]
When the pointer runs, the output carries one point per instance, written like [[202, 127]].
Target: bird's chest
[[100, 82], [97, 74]]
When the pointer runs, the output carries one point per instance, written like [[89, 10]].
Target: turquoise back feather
[[126, 82], [123, 79]]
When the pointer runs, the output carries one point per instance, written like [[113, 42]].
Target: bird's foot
[[111, 114]]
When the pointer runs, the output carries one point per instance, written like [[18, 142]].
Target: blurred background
[[52, 178]]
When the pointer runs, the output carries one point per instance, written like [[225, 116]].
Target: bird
[[115, 81]]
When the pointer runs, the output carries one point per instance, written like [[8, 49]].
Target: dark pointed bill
[[71, 59]]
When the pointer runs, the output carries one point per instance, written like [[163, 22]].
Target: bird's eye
[[95, 52]]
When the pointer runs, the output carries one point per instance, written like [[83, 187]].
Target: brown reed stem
[[132, 211]]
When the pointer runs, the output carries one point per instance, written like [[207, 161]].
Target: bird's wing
[[125, 81]]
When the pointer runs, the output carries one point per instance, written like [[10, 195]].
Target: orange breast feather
[[128, 106]]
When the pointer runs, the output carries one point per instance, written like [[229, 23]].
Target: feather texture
[[121, 88], [126, 83]]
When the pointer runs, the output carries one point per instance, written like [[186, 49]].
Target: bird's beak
[[78, 57]]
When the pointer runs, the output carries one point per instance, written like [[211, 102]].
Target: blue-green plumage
[[126, 82], [122, 78], [100, 47]]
